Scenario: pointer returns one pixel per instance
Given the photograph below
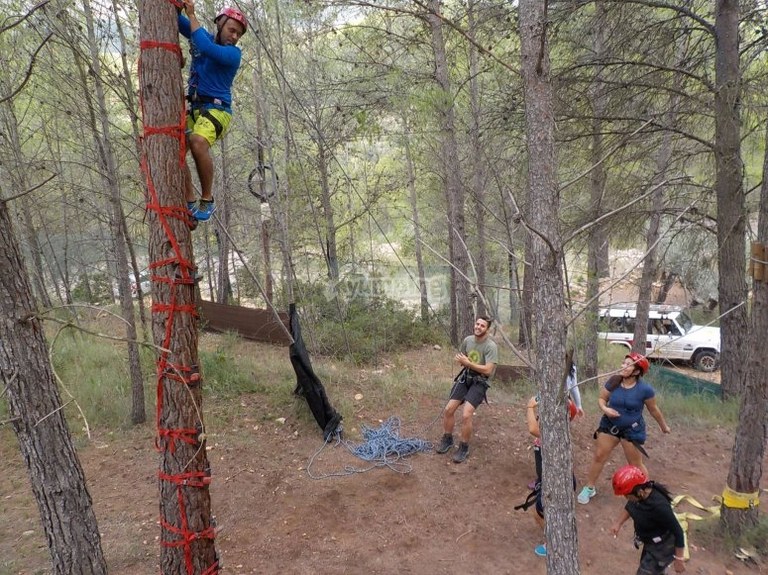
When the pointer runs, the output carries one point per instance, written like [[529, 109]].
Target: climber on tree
[[215, 61]]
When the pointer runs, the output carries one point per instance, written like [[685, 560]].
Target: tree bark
[[477, 176], [549, 299], [187, 530], [597, 241], [37, 416], [746, 468], [412, 197], [731, 209], [109, 174], [461, 304]]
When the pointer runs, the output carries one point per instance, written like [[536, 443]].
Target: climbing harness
[[620, 433]]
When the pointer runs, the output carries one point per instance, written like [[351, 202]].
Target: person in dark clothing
[[656, 527], [532, 418]]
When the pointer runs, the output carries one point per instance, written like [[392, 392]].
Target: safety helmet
[[627, 478], [235, 14], [640, 361]]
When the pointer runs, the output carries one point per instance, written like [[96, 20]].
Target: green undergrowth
[[245, 379]]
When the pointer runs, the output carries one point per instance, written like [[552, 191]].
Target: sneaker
[[445, 444], [461, 452], [192, 206], [586, 494], [541, 550], [204, 210]]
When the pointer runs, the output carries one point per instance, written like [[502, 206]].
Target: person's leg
[[633, 455], [604, 444], [446, 443], [466, 422], [538, 517], [189, 190], [449, 416], [200, 149]]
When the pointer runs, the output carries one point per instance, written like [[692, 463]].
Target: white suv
[[671, 334]]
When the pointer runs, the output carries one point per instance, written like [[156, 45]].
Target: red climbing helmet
[[640, 361], [235, 14], [572, 410], [627, 478]]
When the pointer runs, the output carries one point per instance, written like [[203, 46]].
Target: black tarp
[[308, 385]]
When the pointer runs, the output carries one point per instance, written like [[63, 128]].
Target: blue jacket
[[213, 67]]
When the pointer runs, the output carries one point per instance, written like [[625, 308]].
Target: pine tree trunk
[[187, 532], [731, 209], [746, 468], [462, 315], [548, 294], [35, 410]]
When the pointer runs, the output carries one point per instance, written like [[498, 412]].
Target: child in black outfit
[[656, 527]]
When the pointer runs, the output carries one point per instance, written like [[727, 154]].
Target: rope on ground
[[683, 517], [382, 447]]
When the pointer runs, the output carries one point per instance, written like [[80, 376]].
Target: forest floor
[[439, 518]]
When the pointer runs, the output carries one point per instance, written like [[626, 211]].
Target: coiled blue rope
[[382, 447]]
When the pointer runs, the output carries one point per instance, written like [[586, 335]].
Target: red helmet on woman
[[235, 14], [627, 478], [640, 361], [572, 410]]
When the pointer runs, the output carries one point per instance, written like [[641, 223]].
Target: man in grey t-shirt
[[478, 356]]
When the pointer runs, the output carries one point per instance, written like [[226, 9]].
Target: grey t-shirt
[[482, 352]]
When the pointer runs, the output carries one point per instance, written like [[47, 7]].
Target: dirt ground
[[437, 519]]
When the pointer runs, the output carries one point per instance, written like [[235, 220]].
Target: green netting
[[674, 381]]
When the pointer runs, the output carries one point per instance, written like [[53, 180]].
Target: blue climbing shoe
[[204, 211], [541, 550]]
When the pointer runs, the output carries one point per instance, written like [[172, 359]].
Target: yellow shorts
[[210, 124]]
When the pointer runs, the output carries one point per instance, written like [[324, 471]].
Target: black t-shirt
[[653, 517]]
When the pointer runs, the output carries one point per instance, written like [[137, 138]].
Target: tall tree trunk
[[222, 226], [737, 514], [329, 227], [597, 241], [187, 530], [412, 197], [35, 411], [280, 206], [477, 179], [461, 303], [19, 174], [525, 331], [109, 175], [650, 263], [262, 218], [133, 110], [549, 296], [731, 211]]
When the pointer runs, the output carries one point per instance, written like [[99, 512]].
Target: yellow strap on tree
[[735, 500]]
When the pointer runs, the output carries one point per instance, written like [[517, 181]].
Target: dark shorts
[[656, 557], [635, 433], [469, 389]]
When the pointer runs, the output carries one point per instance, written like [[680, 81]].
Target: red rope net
[[167, 439]]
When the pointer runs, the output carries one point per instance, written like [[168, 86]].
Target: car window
[[685, 322]]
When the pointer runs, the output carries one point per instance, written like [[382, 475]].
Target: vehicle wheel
[[706, 361]]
